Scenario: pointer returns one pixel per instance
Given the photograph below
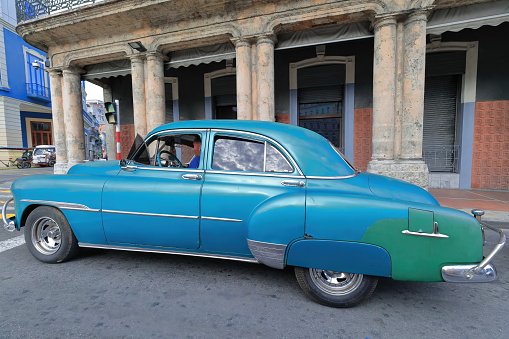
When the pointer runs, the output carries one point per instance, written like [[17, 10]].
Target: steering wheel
[[171, 158]]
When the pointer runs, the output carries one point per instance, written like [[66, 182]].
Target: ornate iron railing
[[441, 158], [34, 9], [38, 91]]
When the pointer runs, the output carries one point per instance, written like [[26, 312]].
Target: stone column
[[57, 111], [398, 98], [139, 102], [254, 84], [265, 77], [384, 88], [243, 67], [156, 105], [413, 85], [73, 116]]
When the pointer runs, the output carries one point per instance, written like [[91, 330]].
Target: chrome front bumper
[[482, 272], [9, 225]]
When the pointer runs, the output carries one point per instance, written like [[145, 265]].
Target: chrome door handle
[[293, 183], [129, 168], [192, 177]]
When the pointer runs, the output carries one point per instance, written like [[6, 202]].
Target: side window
[[276, 162], [236, 154], [170, 150]]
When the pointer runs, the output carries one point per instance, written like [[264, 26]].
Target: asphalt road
[[115, 294]]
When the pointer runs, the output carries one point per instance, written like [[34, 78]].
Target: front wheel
[[336, 289], [48, 235]]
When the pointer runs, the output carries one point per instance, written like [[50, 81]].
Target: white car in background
[[44, 155]]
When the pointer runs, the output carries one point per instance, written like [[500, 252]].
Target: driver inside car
[[195, 162]]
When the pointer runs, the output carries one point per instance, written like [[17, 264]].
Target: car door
[[245, 172], [151, 203]]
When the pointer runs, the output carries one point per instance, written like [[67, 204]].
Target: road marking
[[2, 202], [5, 191], [11, 243]]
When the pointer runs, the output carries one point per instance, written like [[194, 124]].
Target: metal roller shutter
[[169, 102], [321, 83], [224, 90], [445, 63], [439, 129]]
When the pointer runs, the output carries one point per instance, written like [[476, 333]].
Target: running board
[[150, 250]]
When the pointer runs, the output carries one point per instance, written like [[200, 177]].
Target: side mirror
[[123, 163]]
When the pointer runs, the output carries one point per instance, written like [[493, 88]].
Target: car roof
[[311, 151]]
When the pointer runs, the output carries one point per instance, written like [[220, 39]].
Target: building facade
[[411, 89], [25, 108], [96, 137]]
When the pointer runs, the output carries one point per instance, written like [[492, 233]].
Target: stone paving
[[495, 203]]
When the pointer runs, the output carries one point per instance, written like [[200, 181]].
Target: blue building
[[25, 103]]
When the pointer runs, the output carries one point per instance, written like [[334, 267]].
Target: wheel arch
[[26, 212], [273, 225]]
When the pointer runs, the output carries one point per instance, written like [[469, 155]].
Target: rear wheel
[[336, 289], [48, 235], [19, 165]]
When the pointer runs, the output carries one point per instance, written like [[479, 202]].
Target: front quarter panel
[[78, 197]]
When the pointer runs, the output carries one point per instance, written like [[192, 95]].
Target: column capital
[[384, 20], [242, 42], [269, 38], [54, 71], [420, 15], [137, 57], [154, 55], [72, 70]]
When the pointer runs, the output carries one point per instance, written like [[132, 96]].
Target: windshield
[[42, 151]]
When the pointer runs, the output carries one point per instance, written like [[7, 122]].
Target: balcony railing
[[38, 91], [441, 158], [35, 9]]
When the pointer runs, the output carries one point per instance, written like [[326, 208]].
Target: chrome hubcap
[[337, 283], [46, 235]]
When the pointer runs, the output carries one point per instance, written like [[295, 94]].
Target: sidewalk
[[494, 203]]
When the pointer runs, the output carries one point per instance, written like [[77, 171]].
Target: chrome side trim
[[221, 219], [429, 235], [63, 205], [152, 214], [260, 174], [334, 178], [150, 250], [170, 215], [165, 169], [272, 255]]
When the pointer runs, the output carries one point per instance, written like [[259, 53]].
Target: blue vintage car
[[257, 192]]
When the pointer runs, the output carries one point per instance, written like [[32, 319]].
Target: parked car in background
[[262, 192], [44, 155]]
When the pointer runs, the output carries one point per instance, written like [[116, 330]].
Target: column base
[[412, 171], [60, 168], [63, 167]]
